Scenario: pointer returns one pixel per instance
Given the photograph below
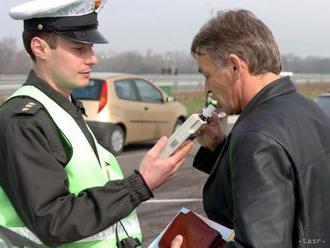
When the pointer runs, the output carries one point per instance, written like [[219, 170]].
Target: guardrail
[[176, 82], [181, 82]]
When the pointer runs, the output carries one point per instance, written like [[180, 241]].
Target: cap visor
[[88, 36]]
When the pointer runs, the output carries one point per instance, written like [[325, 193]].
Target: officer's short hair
[[49, 37]]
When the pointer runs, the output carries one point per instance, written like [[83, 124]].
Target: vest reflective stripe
[[26, 233], [83, 169], [107, 234]]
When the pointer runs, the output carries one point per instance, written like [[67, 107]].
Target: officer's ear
[[39, 47]]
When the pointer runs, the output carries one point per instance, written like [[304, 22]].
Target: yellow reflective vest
[[83, 171]]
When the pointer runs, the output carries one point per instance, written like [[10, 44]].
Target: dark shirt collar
[[74, 108], [276, 88]]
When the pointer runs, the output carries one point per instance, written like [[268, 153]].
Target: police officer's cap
[[73, 19]]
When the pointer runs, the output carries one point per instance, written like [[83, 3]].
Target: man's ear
[[235, 63], [237, 66], [39, 47]]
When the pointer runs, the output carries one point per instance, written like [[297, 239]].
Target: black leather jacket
[[270, 180]]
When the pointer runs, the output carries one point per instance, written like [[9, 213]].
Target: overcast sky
[[301, 27]]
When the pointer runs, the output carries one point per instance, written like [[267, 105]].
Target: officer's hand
[[156, 171], [214, 132], [177, 242]]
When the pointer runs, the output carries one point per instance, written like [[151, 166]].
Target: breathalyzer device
[[187, 130]]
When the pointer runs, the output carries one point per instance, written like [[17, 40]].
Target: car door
[[156, 119], [128, 109]]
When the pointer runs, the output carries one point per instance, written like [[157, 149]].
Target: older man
[[269, 178]]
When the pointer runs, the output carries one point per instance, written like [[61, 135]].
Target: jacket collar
[[73, 107], [276, 88]]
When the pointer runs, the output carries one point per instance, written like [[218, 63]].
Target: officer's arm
[[36, 183]]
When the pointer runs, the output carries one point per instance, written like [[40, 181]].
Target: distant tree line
[[16, 61], [12, 59], [310, 64], [148, 63]]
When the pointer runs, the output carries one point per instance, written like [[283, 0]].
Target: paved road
[[184, 190]]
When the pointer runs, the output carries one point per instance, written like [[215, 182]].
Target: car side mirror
[[170, 99]]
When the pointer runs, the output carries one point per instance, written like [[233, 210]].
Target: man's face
[[221, 82], [69, 64]]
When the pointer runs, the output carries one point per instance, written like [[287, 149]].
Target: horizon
[[300, 27]]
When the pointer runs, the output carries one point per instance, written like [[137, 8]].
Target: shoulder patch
[[29, 107]]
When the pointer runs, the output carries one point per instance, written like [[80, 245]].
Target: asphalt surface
[[184, 190]]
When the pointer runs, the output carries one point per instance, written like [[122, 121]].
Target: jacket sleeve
[[263, 193], [38, 185], [205, 159]]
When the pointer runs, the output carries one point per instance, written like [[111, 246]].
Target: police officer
[[58, 185]]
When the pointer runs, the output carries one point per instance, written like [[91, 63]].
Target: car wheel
[[178, 123], [116, 140]]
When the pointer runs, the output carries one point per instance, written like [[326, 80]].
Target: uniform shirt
[[33, 157]]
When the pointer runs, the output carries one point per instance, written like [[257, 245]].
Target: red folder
[[196, 233]]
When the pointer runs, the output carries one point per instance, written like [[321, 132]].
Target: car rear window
[[90, 92]]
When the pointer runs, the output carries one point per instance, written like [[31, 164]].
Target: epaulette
[[29, 107]]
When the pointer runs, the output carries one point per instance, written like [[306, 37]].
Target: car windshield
[[90, 92], [324, 103]]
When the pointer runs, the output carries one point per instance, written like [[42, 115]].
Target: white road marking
[[173, 200]]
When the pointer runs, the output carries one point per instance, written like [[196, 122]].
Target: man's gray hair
[[239, 32]]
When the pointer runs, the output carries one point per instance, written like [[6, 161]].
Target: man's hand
[[214, 132], [156, 171], [177, 242]]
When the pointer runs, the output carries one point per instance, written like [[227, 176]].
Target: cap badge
[[40, 27], [97, 4]]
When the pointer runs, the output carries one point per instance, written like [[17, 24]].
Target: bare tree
[[16, 61], [7, 52], [20, 64]]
